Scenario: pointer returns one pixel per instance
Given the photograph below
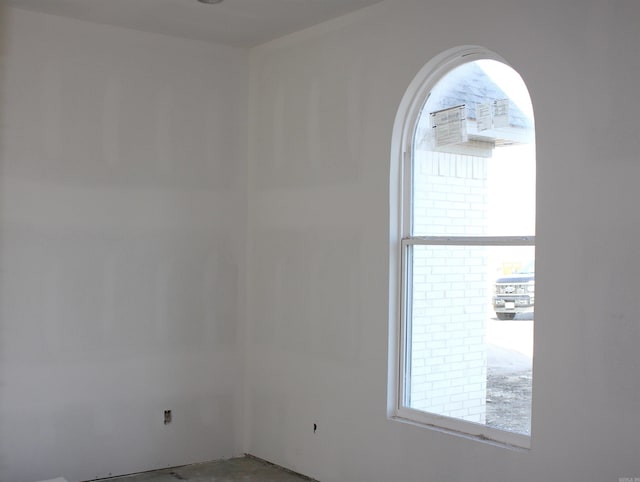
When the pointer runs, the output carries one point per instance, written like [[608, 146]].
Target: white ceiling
[[241, 23]]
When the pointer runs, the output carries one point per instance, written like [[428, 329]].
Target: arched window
[[464, 248]]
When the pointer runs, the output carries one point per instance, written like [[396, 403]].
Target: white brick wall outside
[[448, 352]]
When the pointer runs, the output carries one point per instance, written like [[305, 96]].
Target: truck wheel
[[506, 316]]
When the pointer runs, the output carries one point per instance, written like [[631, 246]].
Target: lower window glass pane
[[469, 343]]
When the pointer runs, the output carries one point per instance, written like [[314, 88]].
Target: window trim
[[401, 217]]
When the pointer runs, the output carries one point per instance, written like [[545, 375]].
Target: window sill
[[497, 438]]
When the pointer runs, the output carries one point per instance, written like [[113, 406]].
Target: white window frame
[[401, 217]]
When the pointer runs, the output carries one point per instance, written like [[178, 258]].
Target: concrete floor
[[245, 469]]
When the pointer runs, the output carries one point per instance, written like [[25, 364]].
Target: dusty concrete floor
[[245, 469]]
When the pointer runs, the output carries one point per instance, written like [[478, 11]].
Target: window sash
[[469, 241], [408, 414]]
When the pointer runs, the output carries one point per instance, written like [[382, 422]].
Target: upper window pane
[[474, 155]]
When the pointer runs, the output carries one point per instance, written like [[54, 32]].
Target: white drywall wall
[[322, 108], [121, 249], [122, 221]]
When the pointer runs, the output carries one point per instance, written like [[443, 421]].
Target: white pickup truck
[[515, 293]]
